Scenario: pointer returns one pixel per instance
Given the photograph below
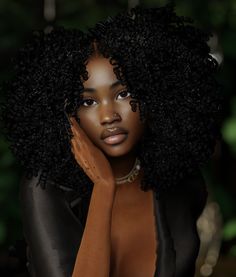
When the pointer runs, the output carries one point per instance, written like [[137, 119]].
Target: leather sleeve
[[183, 208], [52, 231], [197, 191]]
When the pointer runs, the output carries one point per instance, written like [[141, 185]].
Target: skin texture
[[89, 157], [166, 65], [114, 211], [100, 103]]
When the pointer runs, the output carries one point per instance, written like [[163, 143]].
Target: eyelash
[[84, 101]]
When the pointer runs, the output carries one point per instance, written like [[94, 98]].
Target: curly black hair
[[162, 59]]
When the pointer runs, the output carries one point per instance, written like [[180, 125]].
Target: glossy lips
[[115, 139], [114, 135]]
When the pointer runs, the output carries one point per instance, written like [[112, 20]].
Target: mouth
[[114, 135], [115, 139]]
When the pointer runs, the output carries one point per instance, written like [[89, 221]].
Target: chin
[[115, 151]]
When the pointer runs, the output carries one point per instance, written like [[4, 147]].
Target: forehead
[[100, 72]]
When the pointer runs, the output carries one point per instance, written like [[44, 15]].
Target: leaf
[[229, 230]]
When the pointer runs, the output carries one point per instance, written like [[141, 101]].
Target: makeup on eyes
[[84, 99]]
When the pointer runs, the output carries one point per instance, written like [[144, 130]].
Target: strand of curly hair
[[162, 59]]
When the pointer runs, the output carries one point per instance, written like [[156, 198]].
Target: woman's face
[[106, 105]]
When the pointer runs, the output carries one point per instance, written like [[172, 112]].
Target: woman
[[145, 77]]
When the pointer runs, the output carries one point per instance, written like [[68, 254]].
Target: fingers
[[79, 155], [81, 145], [79, 148], [76, 130], [79, 132], [75, 125], [73, 121]]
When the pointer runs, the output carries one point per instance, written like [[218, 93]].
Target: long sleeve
[[52, 231], [183, 208]]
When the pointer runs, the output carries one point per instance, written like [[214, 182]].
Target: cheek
[[135, 124], [88, 123]]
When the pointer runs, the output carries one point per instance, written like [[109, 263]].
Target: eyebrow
[[112, 86]]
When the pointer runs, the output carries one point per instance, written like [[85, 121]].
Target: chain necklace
[[130, 177]]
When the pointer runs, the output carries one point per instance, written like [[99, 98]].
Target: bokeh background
[[217, 225]]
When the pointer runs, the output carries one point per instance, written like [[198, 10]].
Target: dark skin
[[131, 209], [102, 97]]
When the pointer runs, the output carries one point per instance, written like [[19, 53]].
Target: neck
[[122, 165]]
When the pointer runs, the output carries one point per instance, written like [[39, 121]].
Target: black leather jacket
[[54, 220]]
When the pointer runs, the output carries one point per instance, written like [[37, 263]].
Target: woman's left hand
[[90, 157]]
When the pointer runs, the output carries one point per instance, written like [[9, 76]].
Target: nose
[[108, 114]]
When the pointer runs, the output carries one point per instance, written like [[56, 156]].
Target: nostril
[[111, 118]]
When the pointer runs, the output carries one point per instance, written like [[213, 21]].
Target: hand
[[89, 157]]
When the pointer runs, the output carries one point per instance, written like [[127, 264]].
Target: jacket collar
[[166, 255]]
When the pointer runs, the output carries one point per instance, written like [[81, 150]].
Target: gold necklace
[[130, 177]]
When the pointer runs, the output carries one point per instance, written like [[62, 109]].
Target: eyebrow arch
[[112, 86]]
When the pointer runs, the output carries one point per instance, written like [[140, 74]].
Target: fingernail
[[71, 120], [73, 129]]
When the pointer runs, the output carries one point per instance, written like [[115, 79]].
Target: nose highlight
[[108, 115]]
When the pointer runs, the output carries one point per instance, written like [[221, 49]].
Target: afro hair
[[165, 63]]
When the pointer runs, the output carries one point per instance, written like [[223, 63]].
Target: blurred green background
[[19, 18]]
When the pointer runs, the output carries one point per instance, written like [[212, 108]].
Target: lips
[[116, 139], [112, 132]]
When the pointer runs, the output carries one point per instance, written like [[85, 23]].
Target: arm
[[183, 207], [52, 231], [93, 258]]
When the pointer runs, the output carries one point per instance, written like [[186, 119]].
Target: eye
[[124, 94], [87, 102]]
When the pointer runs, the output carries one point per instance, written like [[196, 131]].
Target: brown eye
[[87, 102], [124, 94]]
